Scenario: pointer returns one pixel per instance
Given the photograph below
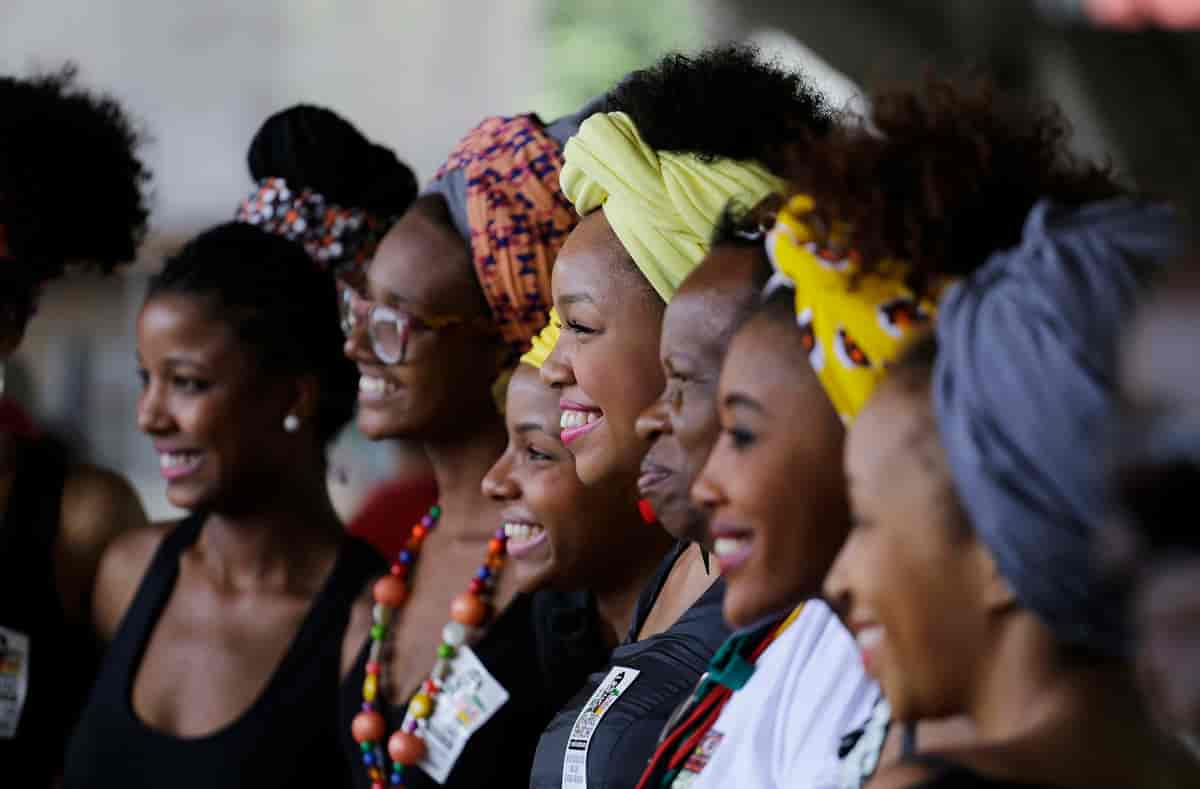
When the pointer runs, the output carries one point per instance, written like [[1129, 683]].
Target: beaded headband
[[338, 238]]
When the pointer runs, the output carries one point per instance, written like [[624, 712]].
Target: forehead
[[530, 400], [176, 323], [885, 437], [767, 362], [593, 264], [701, 317], [421, 263]]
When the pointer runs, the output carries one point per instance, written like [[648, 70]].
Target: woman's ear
[[306, 399], [996, 593]]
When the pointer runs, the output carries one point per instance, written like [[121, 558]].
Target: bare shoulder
[[124, 563], [358, 628], [97, 506]]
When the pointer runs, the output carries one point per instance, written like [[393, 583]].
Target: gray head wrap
[[1023, 388]]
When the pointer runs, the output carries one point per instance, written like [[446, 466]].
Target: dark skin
[[442, 398], [97, 505], [271, 538], [683, 423], [772, 483], [594, 536], [1037, 719]]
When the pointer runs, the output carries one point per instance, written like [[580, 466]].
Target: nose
[[357, 346], [706, 490], [498, 484], [153, 418], [556, 370], [837, 587], [654, 421]]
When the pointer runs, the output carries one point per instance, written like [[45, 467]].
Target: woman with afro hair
[[71, 193]]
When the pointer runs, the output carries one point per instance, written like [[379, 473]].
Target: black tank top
[[287, 737], [61, 658]]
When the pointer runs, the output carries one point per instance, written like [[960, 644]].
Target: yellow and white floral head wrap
[[662, 206], [855, 323]]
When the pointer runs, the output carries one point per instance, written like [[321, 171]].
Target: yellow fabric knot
[[662, 206], [855, 324], [543, 343]]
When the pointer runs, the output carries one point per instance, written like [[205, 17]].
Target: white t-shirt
[[784, 727]]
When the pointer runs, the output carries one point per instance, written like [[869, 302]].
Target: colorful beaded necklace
[[469, 611]]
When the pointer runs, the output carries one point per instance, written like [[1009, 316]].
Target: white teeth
[[376, 386], [573, 419], [522, 532], [727, 546], [177, 459], [869, 637]]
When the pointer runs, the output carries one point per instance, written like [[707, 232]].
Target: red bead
[[406, 749], [429, 687], [467, 609], [368, 727], [378, 785], [390, 591], [646, 510], [476, 587], [372, 667], [495, 546], [399, 570]]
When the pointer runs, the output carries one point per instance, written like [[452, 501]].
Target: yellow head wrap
[[662, 206], [543, 343], [855, 324]]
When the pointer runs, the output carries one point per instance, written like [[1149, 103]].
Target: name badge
[[14, 679], [468, 699], [574, 774]]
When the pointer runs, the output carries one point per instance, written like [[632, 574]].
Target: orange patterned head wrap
[[516, 217]]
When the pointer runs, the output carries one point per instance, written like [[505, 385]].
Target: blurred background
[[416, 74]]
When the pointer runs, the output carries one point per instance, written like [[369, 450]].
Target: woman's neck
[[278, 543], [459, 465], [617, 590]]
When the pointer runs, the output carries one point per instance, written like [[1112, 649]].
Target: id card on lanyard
[[14, 679], [618, 680], [470, 697]]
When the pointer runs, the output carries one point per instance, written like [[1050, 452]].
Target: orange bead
[[417, 533], [495, 546], [368, 727], [467, 609], [390, 591], [406, 749]]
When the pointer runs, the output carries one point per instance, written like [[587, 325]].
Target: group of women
[[772, 447]]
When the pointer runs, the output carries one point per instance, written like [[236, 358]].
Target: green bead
[[435, 511], [366, 745], [377, 632], [445, 651]]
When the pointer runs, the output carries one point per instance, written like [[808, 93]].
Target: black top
[[286, 738], [62, 656], [540, 648], [948, 774], [670, 665]]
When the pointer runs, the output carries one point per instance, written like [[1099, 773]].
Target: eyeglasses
[[390, 328]]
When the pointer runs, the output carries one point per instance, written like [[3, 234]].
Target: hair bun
[[315, 148]]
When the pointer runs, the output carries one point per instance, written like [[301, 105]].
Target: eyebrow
[[745, 401], [574, 298], [531, 427]]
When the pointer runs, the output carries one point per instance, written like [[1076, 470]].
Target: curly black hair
[[944, 173], [277, 301], [315, 148], [71, 183], [724, 102]]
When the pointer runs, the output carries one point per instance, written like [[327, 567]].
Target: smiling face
[[683, 423], [909, 554], [444, 386], [773, 486], [560, 532], [215, 418], [605, 365]]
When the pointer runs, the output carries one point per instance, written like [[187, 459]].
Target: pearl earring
[[291, 423]]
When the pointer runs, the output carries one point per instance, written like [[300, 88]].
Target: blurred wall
[[412, 74]]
